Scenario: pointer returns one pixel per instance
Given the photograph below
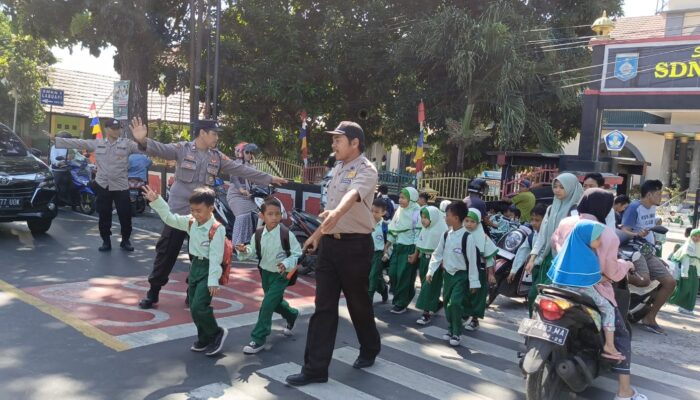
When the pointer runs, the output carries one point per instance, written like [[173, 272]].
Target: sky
[[81, 60]]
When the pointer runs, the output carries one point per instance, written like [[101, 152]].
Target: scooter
[[136, 197], [508, 247], [564, 344], [73, 183], [641, 298]]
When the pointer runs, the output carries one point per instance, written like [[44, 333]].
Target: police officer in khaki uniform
[[198, 164], [112, 159], [344, 243]]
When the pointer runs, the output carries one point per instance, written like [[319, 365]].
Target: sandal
[[655, 328]]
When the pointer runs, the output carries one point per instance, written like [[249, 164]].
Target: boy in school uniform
[[380, 257], [275, 262], [458, 256], [207, 255], [523, 253]]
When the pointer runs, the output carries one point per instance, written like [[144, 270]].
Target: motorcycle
[[303, 226], [508, 246], [641, 298], [564, 344], [136, 197], [73, 182]]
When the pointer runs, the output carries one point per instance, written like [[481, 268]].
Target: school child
[[376, 277], [475, 300], [688, 258], [423, 199], [277, 251], [434, 227], [456, 252], [207, 254], [403, 232], [576, 267], [523, 253], [443, 207]]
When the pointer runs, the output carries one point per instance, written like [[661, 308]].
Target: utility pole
[[217, 46]]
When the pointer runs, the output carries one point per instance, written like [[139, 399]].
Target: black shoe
[[218, 343], [147, 303], [302, 379], [198, 347], [106, 245], [385, 296], [126, 245], [363, 363]]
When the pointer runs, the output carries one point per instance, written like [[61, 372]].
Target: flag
[[302, 136], [95, 121], [97, 131], [419, 147], [93, 110]]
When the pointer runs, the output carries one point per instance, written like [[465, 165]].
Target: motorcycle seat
[[568, 294]]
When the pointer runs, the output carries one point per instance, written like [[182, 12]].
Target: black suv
[[27, 188]]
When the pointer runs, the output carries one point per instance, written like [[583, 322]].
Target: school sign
[[652, 67]]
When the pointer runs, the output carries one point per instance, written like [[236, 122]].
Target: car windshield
[[10, 144]]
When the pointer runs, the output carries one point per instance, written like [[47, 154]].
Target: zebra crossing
[[415, 363]]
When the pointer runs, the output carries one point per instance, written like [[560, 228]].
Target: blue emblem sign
[[615, 140], [51, 97], [626, 66]]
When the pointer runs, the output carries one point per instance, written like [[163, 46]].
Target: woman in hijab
[[402, 235], [595, 206], [475, 301], [567, 193], [434, 227], [688, 258], [238, 199]]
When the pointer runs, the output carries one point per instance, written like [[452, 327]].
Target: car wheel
[[39, 226]]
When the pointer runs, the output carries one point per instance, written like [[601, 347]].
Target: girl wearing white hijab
[[434, 227], [486, 250], [402, 235]]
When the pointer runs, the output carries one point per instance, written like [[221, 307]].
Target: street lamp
[[12, 93]]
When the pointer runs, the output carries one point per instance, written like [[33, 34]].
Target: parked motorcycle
[[73, 180], [641, 298], [303, 225], [564, 344], [136, 197], [508, 247]]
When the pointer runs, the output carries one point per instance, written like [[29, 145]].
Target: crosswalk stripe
[[506, 354], [642, 371], [409, 378], [448, 357], [330, 390]]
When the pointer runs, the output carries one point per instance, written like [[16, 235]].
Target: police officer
[[198, 164], [112, 185], [344, 243]]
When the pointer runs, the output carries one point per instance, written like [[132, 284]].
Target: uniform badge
[[351, 174], [346, 181], [457, 250]]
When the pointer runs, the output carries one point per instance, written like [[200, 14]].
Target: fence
[[536, 177], [290, 170], [395, 181], [453, 186]]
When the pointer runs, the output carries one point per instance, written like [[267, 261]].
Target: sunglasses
[[248, 152]]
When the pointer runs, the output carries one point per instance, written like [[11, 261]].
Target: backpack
[[385, 230], [481, 266], [228, 251], [284, 238]]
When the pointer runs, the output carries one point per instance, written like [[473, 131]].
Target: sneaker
[[218, 343], [454, 341], [685, 312], [253, 348], [447, 336], [398, 310], [198, 347], [288, 328], [472, 324], [635, 396], [424, 319]]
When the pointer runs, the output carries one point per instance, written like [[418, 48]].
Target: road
[[71, 330]]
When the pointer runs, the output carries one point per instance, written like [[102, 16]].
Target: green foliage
[[23, 63]]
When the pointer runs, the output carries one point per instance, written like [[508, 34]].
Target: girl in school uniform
[[402, 236], [688, 258], [434, 227]]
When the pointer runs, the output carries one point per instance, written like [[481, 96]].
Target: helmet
[[477, 185], [251, 148], [238, 150]]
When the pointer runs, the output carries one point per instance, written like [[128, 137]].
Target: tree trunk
[[135, 69]]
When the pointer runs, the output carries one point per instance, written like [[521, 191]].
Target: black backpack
[[480, 264], [284, 238]]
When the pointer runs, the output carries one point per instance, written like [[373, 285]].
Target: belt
[[200, 258], [347, 236]]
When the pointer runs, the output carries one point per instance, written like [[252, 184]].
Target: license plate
[[10, 203], [543, 330]]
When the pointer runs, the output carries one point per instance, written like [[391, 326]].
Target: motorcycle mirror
[[661, 230], [60, 158]]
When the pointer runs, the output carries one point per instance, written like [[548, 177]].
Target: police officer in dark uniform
[[198, 164], [112, 184], [344, 243]]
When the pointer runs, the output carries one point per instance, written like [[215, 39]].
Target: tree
[[23, 63], [141, 31]]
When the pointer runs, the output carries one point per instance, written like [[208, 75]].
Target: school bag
[[481, 266], [228, 252], [284, 238]]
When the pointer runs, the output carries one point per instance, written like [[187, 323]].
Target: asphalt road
[[70, 330]]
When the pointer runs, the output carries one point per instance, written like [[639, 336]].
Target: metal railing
[[536, 177]]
